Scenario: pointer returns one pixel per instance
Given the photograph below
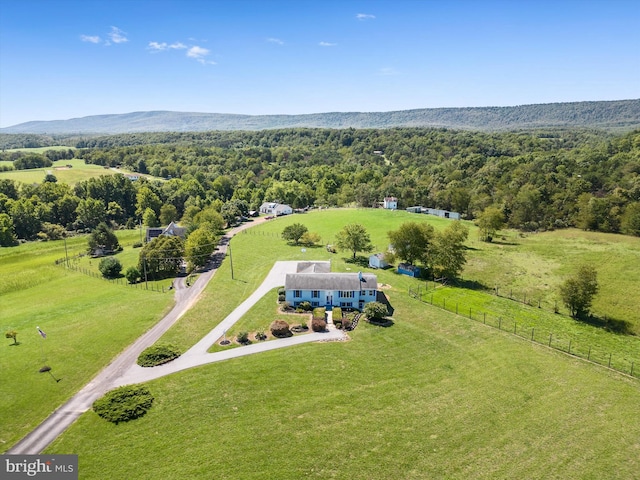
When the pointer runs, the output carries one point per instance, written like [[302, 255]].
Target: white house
[[390, 203], [172, 230], [314, 283], [277, 209], [378, 261]]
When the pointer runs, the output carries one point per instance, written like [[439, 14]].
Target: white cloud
[[365, 16], [90, 38], [117, 36], [162, 46], [327, 44], [277, 41], [199, 54]]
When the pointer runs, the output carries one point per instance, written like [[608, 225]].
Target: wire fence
[[261, 233], [70, 265], [539, 336]]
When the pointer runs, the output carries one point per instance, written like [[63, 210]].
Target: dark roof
[[330, 281]]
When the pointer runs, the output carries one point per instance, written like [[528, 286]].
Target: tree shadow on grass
[[382, 322], [360, 260], [471, 285], [614, 325]]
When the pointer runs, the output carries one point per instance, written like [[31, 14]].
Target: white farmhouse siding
[[348, 290], [273, 208], [378, 261], [390, 203]]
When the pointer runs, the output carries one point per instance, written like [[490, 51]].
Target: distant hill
[[610, 115]]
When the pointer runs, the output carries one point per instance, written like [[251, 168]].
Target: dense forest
[[539, 180]]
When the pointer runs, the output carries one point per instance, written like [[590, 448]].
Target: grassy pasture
[[39, 149], [257, 249], [436, 395], [433, 396], [78, 172], [81, 338]]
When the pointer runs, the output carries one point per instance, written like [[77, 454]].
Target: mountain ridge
[[610, 114]]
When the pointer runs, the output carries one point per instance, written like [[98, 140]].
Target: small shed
[[378, 261], [390, 203], [410, 270]]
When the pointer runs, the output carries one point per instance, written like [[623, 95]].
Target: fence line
[[561, 344], [261, 233], [118, 281]]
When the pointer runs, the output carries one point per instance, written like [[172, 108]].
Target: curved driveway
[[124, 370]]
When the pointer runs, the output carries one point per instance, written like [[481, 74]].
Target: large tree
[[103, 236], [90, 212], [490, 221], [355, 238], [412, 241], [199, 246], [577, 292], [449, 258], [161, 257], [294, 232], [7, 237]]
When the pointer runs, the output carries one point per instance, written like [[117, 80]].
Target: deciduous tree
[[411, 242], [355, 238], [199, 246], [294, 232], [577, 292], [490, 221]]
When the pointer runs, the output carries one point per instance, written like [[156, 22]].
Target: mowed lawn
[[88, 321], [435, 395]]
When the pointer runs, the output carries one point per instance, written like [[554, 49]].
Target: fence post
[[456, 308], [632, 369], [532, 330], [485, 318], [550, 336], [589, 354], [569, 351], [500, 323], [609, 360], [515, 328], [470, 314]]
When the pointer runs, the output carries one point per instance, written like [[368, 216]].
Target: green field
[[78, 172], [436, 395], [71, 308]]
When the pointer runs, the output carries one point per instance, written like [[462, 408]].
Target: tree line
[[536, 180]]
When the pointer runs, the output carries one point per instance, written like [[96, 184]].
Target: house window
[[297, 293], [315, 293], [346, 304], [315, 304], [346, 294], [372, 293]]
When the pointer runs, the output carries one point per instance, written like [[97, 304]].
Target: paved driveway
[[124, 370]]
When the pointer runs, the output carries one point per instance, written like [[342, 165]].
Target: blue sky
[[62, 59]]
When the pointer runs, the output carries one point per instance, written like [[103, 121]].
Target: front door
[[329, 300]]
